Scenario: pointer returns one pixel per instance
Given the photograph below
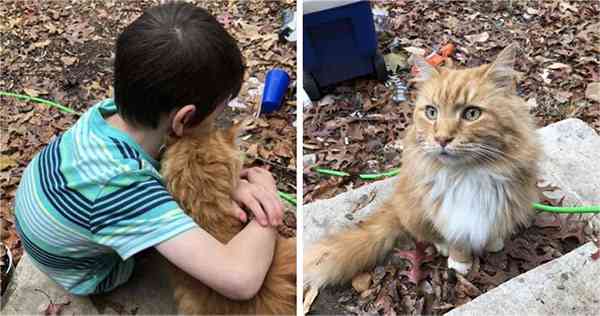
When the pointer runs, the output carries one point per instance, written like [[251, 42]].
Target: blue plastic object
[[276, 84], [340, 43]]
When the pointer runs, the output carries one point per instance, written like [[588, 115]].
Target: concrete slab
[[147, 292], [572, 162], [326, 216], [567, 285], [564, 286]]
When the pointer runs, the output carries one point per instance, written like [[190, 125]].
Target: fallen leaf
[[33, 92], [532, 103], [7, 162], [415, 50], [327, 100], [465, 286], [481, 37], [309, 298], [596, 255], [284, 150], [361, 282], [531, 11], [592, 91], [545, 74], [558, 66], [395, 62], [68, 61], [55, 309], [52, 309], [564, 6], [250, 31], [41, 44]]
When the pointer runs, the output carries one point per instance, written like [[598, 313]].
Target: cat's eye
[[471, 113], [431, 112]]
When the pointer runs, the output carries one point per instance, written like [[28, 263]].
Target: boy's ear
[[501, 70], [426, 71], [181, 118]]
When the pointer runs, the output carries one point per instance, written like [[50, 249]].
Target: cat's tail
[[278, 294], [339, 257]]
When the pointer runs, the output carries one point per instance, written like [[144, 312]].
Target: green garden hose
[[285, 196], [567, 209], [375, 176], [537, 206], [40, 100]]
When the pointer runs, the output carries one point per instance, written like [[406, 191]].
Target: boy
[[93, 197]]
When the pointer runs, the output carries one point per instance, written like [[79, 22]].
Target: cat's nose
[[443, 141]]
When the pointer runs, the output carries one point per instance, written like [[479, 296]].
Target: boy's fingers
[[253, 204], [272, 207], [250, 171], [278, 210], [240, 213], [264, 201], [244, 173], [259, 176]]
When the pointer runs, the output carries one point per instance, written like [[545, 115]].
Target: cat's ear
[[426, 71], [236, 129], [501, 71]]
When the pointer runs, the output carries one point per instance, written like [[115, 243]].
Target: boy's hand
[[262, 202], [260, 176]]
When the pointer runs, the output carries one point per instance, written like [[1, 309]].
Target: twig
[[45, 294], [272, 163]]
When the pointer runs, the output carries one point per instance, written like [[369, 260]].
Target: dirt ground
[[64, 50], [358, 128]]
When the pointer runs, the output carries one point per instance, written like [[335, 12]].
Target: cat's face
[[467, 115]]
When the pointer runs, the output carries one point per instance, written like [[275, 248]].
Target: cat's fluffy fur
[[201, 170], [471, 198]]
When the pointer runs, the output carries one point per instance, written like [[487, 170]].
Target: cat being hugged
[[468, 176], [201, 170]]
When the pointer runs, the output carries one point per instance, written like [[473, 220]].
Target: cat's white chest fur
[[470, 203]]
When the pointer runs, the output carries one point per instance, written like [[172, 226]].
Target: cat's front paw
[[460, 267]]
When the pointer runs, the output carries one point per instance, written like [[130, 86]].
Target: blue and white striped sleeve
[[134, 212]]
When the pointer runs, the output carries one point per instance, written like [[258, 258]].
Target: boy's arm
[[236, 269]]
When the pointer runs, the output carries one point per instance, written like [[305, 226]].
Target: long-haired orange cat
[[467, 179], [201, 171]]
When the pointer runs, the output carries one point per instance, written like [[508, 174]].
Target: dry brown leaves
[[388, 290], [51, 308], [358, 131], [558, 62], [63, 51], [271, 138]]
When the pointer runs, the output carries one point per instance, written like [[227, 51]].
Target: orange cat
[[467, 179], [201, 171]]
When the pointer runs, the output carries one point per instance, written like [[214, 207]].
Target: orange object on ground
[[436, 58]]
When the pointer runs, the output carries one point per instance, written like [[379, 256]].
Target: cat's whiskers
[[483, 152]]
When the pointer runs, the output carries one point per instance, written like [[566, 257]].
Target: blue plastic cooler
[[340, 43]]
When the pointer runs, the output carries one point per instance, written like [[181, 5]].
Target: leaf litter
[[63, 51], [358, 128]]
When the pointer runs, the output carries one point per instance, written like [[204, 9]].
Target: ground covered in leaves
[[63, 51], [358, 128], [386, 290]]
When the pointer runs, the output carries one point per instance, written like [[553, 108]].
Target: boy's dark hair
[[173, 55]]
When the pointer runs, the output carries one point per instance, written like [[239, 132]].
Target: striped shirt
[[89, 201]]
